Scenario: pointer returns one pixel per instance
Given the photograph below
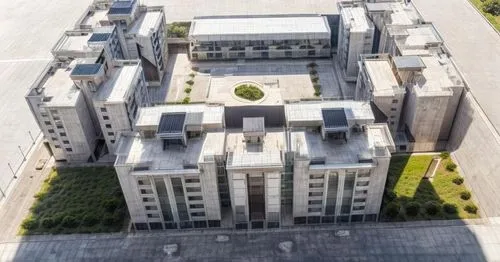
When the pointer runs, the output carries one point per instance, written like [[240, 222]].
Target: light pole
[[24, 156], [31, 135], [12, 170]]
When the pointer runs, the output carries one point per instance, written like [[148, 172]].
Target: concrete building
[[378, 84], [356, 34], [419, 39], [211, 175], [141, 30], [169, 168], [390, 13], [433, 89], [339, 172], [61, 111], [257, 37], [118, 100]]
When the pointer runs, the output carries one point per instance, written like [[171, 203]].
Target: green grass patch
[[77, 200], [494, 20], [178, 29], [249, 92], [405, 187]]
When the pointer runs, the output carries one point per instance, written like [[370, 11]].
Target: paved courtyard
[[380, 242]]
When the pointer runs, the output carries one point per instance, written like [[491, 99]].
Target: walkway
[[420, 241]]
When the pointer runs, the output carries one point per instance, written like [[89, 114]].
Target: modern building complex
[[183, 167], [257, 37], [290, 156]]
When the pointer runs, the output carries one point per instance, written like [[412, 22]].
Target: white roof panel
[[259, 27]]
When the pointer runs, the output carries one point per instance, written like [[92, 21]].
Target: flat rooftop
[[412, 39], [312, 111], [60, 89], [93, 18], [70, 43], [359, 145], [121, 82], [227, 28], [134, 150], [150, 116], [146, 22], [245, 155], [438, 76], [400, 13], [356, 18], [381, 75]]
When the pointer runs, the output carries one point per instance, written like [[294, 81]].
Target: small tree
[[445, 155], [190, 82], [451, 166], [187, 90], [412, 208], [471, 208], [312, 65], [390, 195], [492, 7], [29, 223], [186, 100], [465, 195], [432, 207], [458, 180], [90, 220], [392, 210]]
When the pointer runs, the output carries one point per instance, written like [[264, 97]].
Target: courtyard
[[281, 80]]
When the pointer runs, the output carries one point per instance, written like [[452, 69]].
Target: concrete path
[[15, 207], [426, 241]]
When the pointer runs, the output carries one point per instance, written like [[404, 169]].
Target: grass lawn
[[77, 200], [408, 189], [494, 20]]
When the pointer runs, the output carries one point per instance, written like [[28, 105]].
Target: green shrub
[[445, 155], [317, 87], [451, 166], [432, 207], [450, 208], [492, 7], [390, 195], [471, 208], [317, 93], [48, 222], [192, 75], [392, 210], [458, 180], [29, 223], [186, 100], [313, 72], [249, 92], [187, 90], [412, 208], [178, 29], [111, 204], [190, 82], [90, 220], [465, 195], [314, 79], [69, 221]]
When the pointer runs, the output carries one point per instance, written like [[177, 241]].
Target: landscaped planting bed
[[410, 197], [77, 200], [249, 92]]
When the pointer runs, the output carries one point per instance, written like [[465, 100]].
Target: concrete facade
[[259, 37], [242, 173], [356, 33]]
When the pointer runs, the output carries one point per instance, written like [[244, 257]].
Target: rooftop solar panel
[[171, 123], [99, 37], [121, 7], [85, 69], [334, 118]]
